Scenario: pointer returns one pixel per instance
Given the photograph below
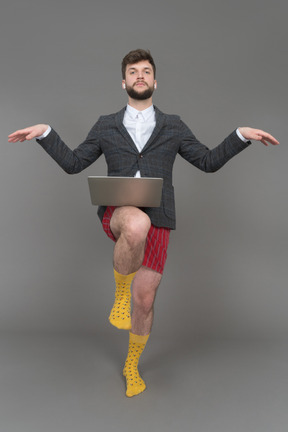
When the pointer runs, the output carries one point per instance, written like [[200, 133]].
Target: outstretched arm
[[71, 161], [258, 135], [28, 133], [211, 160]]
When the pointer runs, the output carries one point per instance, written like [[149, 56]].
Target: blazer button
[[140, 156]]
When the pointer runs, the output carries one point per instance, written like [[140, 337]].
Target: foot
[[134, 383], [120, 315]]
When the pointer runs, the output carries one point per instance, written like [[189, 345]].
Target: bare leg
[[144, 290], [130, 227]]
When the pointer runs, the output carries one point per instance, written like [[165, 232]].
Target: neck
[[140, 105]]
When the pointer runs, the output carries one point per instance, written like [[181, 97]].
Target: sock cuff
[[123, 278], [139, 339]]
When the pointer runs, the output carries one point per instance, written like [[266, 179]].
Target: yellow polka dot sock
[[120, 315], [134, 382]]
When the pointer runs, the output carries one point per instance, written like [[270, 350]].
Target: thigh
[[156, 242], [128, 218]]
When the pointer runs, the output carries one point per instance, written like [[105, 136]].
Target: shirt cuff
[[241, 136], [44, 135]]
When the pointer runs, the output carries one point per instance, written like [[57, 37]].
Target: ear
[[123, 84], [155, 84]]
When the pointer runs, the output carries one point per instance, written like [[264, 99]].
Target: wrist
[[45, 131], [239, 132]]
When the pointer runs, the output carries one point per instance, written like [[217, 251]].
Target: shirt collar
[[132, 112]]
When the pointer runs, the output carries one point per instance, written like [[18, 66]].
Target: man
[[139, 140]]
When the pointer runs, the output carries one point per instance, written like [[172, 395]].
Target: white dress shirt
[[140, 125]]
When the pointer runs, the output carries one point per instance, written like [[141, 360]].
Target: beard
[[134, 94]]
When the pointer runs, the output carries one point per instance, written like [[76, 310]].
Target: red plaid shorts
[[156, 244]]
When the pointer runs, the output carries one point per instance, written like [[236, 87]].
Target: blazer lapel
[[160, 120], [119, 123]]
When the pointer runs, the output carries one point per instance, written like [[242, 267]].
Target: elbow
[[68, 170], [214, 170], [71, 172], [209, 165], [211, 169], [72, 169]]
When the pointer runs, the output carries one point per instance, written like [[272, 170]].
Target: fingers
[[266, 138], [25, 134], [20, 135], [258, 135], [28, 133]]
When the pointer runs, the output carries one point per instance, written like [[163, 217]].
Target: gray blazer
[[170, 137]]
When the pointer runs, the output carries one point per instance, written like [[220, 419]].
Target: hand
[[258, 135], [28, 133]]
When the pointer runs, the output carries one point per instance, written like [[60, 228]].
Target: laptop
[[124, 191]]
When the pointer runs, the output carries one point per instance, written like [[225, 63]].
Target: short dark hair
[[136, 56]]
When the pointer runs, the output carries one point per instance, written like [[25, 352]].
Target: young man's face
[[139, 80]]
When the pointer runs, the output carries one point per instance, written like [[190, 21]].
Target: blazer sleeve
[[73, 161], [208, 160]]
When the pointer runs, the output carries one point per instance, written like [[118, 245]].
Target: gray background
[[220, 65]]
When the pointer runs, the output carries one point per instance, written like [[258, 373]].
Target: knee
[[136, 228], [144, 301]]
